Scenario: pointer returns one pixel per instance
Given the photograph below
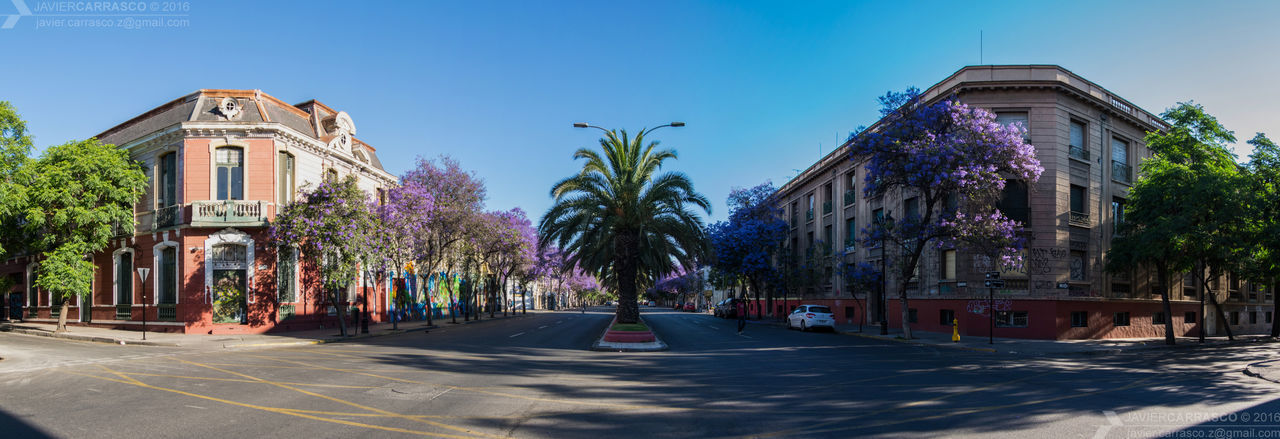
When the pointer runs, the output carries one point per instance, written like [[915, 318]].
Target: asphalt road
[[534, 377]]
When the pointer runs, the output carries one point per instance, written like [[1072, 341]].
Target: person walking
[[742, 315]]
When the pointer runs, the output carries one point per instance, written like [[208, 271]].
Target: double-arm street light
[[587, 125]]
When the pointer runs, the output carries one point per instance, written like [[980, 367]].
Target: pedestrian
[[742, 315]]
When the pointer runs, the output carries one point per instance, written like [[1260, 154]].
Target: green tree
[[74, 194], [15, 147], [620, 220], [331, 225], [1264, 187], [1184, 211]]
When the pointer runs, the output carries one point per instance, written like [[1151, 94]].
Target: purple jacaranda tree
[[399, 233], [516, 241], [549, 270], [947, 163], [330, 226], [581, 285], [457, 196], [745, 246]]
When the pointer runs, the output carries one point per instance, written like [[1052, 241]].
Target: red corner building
[[221, 164]]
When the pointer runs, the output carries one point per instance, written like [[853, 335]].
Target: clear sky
[[765, 87]]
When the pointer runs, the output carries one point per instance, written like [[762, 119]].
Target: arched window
[[230, 173]]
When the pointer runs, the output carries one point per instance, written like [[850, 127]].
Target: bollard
[[955, 330]]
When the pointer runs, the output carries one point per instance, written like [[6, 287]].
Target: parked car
[[727, 308], [652, 303], [806, 317], [690, 307], [678, 306]]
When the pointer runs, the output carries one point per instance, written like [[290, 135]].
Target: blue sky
[[765, 87]]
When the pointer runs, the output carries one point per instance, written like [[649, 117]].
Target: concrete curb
[[9, 327], [1251, 369], [607, 346], [89, 338], [917, 343]]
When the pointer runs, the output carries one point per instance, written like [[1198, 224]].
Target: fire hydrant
[[955, 330]]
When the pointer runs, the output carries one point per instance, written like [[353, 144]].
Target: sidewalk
[[1032, 347], [225, 341]]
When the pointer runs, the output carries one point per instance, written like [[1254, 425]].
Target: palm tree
[[621, 221]]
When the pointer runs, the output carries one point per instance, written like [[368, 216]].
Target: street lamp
[[587, 125]]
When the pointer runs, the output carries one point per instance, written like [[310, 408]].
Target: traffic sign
[[992, 275], [143, 272], [994, 283]]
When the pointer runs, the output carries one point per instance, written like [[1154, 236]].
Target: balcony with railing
[[228, 213], [1079, 219], [168, 216], [1079, 153], [1121, 172], [124, 311], [826, 207], [849, 197], [119, 230]]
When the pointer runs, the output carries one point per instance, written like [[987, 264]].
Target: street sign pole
[[993, 281], [142, 274]]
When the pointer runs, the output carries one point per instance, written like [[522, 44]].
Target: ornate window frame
[[115, 274], [156, 250], [229, 236]]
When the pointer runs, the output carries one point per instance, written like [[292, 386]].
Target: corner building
[[1090, 142], [221, 165]]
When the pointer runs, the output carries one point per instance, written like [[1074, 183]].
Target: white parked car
[[806, 317]]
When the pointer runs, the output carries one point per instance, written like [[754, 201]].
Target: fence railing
[[168, 216], [1121, 172], [228, 211], [1078, 153], [167, 312], [124, 312]]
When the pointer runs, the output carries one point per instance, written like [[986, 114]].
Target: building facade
[[1089, 141], [221, 164]]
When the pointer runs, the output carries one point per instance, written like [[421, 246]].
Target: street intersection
[[534, 377]]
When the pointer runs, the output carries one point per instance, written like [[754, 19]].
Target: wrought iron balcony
[[1079, 219], [168, 216], [850, 196], [1121, 172], [167, 312], [119, 230], [1078, 153], [826, 207], [228, 213]]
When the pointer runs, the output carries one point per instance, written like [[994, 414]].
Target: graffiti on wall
[[980, 306]]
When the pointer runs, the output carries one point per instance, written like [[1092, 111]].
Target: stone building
[[1089, 141], [221, 163]]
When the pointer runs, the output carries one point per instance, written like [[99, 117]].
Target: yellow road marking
[[340, 401], [339, 386], [131, 381]]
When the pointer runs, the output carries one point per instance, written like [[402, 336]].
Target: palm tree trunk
[[625, 262]]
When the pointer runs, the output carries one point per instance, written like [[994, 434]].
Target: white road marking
[[543, 326], [196, 407], [516, 335]]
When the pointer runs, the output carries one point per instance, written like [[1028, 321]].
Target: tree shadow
[[806, 385]]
